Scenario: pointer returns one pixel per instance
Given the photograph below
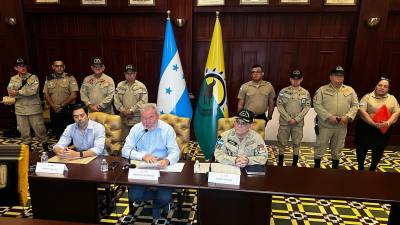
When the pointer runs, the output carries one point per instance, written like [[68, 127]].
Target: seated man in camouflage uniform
[[241, 146]]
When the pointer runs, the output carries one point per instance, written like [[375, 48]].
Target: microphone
[[129, 165]]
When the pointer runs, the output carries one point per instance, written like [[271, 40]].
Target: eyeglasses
[[384, 78], [58, 65]]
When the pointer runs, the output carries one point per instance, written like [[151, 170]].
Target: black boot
[[374, 163], [280, 160], [295, 160], [335, 163], [373, 166], [360, 165], [45, 146], [31, 148], [317, 163]]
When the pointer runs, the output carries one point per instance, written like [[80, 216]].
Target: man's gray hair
[[148, 106]]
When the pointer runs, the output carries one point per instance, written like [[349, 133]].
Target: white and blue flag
[[173, 96]]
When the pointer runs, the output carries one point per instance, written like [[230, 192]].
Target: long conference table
[[73, 197]]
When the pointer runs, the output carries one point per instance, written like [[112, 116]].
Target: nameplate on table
[[52, 168], [223, 178], [143, 174]]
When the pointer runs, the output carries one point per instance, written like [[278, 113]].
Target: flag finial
[[169, 13], [217, 13]]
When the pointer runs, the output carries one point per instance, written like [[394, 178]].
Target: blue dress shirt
[[159, 142], [93, 138]]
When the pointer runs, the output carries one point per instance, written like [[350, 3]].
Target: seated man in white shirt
[[153, 141], [86, 135]]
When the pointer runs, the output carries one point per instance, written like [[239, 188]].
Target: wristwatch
[[81, 154]]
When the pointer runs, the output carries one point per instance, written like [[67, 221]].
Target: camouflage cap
[[97, 61], [296, 74], [130, 68], [339, 71], [20, 62], [245, 115]]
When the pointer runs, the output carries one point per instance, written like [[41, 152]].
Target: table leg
[[58, 200], [394, 216], [233, 207]]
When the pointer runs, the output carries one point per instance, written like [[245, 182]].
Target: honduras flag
[[173, 96]]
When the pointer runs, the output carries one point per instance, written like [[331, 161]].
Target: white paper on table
[[228, 169], [144, 165], [175, 168], [202, 168], [150, 166]]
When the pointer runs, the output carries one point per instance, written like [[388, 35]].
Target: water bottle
[[104, 166], [197, 167], [44, 158]]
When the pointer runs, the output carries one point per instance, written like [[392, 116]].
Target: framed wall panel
[[254, 2], [340, 2], [210, 2], [294, 2], [141, 2], [94, 2], [47, 1]]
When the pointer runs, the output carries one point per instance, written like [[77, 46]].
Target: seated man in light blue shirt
[[153, 141], [86, 135]]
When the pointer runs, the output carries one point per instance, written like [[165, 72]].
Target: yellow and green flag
[[212, 101]]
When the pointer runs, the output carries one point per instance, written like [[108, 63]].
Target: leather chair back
[[181, 127], [113, 129], [225, 124]]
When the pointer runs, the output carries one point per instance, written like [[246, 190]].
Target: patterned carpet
[[285, 210]]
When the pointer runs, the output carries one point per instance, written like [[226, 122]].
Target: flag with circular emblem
[[212, 99]]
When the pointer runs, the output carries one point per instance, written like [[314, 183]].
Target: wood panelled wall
[[389, 64], [119, 39], [12, 44], [311, 42], [312, 38]]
